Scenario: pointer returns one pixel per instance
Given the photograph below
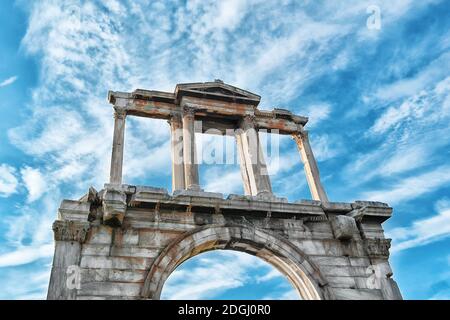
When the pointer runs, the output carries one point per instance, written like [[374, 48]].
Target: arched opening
[[275, 250], [226, 274]]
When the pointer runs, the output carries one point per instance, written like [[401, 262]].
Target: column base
[[194, 187]]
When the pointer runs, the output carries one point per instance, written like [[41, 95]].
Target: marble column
[[176, 130], [189, 152], [252, 154], [239, 136], [118, 144], [310, 166]]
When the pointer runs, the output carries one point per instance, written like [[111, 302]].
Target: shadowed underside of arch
[[278, 252]]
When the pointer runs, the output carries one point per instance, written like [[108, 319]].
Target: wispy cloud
[[316, 113], [423, 231], [224, 181], [23, 285], [34, 182], [409, 86], [8, 180], [26, 255], [224, 270], [277, 50], [406, 136], [411, 187], [8, 81]]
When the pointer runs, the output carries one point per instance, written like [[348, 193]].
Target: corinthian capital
[[119, 112], [377, 248], [65, 230], [189, 110], [299, 135], [248, 121]]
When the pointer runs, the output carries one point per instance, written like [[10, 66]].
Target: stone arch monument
[[123, 241]]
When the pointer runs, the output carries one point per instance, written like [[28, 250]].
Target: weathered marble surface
[[327, 251]]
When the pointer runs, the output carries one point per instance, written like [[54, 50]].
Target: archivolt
[[277, 251]]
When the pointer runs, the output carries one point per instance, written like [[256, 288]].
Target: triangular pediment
[[216, 89]]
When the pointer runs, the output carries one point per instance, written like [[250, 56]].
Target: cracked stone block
[[114, 207], [344, 227]]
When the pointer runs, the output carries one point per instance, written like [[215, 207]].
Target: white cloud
[[211, 277], [229, 273], [83, 51], [30, 225], [405, 159], [8, 180], [224, 181], [8, 81], [230, 14], [423, 231], [32, 286], [411, 187], [316, 113], [34, 182], [272, 274], [26, 255], [390, 160], [407, 137], [410, 86], [413, 107], [325, 146], [423, 108]]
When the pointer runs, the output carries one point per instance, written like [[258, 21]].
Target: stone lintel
[[218, 101], [193, 193], [337, 207]]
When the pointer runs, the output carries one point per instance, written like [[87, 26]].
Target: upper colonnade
[[221, 109]]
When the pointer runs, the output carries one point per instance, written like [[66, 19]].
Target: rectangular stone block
[[357, 294], [344, 271], [99, 262], [100, 235], [341, 282], [112, 275], [95, 250], [372, 230], [110, 289], [155, 238], [344, 227], [74, 210], [126, 237], [320, 247], [134, 252], [329, 261]]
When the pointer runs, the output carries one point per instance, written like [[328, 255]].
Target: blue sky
[[378, 100]]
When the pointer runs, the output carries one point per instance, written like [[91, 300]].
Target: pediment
[[216, 89]]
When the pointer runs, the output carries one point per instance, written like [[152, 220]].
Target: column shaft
[[258, 176], [310, 165], [239, 135], [189, 151], [118, 144], [176, 130]]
